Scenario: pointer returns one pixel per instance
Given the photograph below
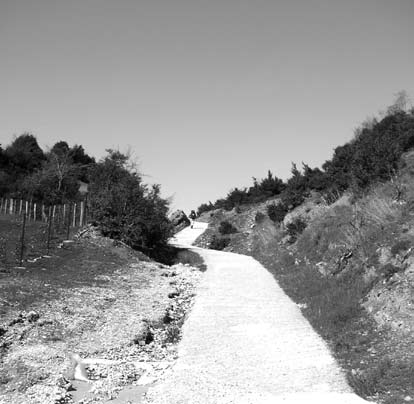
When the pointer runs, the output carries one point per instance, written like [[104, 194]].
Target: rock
[[179, 220], [16, 321], [32, 316], [64, 383], [174, 294], [384, 255]]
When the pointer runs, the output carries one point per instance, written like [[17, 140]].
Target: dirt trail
[[246, 342]]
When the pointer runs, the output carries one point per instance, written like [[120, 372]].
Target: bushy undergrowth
[[277, 212], [295, 228], [126, 209], [226, 228], [259, 217], [219, 243]]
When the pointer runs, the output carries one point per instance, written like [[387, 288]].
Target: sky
[[205, 94]]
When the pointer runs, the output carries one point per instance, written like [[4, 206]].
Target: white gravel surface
[[246, 342]]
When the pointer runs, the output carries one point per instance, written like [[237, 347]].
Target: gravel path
[[246, 342]]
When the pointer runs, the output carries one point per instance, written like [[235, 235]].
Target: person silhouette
[[192, 217]]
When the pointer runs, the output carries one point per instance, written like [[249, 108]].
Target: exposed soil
[[96, 298]]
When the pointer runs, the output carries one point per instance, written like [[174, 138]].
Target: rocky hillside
[[350, 267]]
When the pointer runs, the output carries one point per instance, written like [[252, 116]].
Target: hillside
[[97, 298], [350, 268]]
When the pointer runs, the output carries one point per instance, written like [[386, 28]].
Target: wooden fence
[[73, 213], [33, 229]]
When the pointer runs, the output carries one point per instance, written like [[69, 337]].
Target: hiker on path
[[192, 217]]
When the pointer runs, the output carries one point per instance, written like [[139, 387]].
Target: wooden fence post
[[68, 224], [74, 215], [22, 239], [49, 229], [81, 214]]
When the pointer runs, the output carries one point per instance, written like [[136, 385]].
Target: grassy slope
[[361, 304]]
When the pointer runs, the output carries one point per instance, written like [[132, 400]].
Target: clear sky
[[207, 93]]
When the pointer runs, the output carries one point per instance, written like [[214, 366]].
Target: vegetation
[[372, 156], [227, 228], [260, 191], [277, 212], [259, 217], [295, 228], [51, 177], [125, 208], [119, 203], [219, 243]]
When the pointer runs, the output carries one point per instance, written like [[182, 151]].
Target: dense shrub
[[296, 227], [258, 192], [277, 212], [227, 228], [219, 243], [126, 209], [51, 177]]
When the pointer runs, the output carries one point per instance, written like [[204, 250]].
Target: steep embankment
[[349, 266]]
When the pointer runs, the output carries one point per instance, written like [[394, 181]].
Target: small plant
[[145, 337], [259, 217], [227, 228], [219, 243], [172, 334], [296, 227], [277, 212], [168, 318]]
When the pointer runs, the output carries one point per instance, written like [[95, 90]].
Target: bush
[[277, 212], [259, 217], [227, 228], [126, 209], [219, 243], [172, 334], [296, 227]]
